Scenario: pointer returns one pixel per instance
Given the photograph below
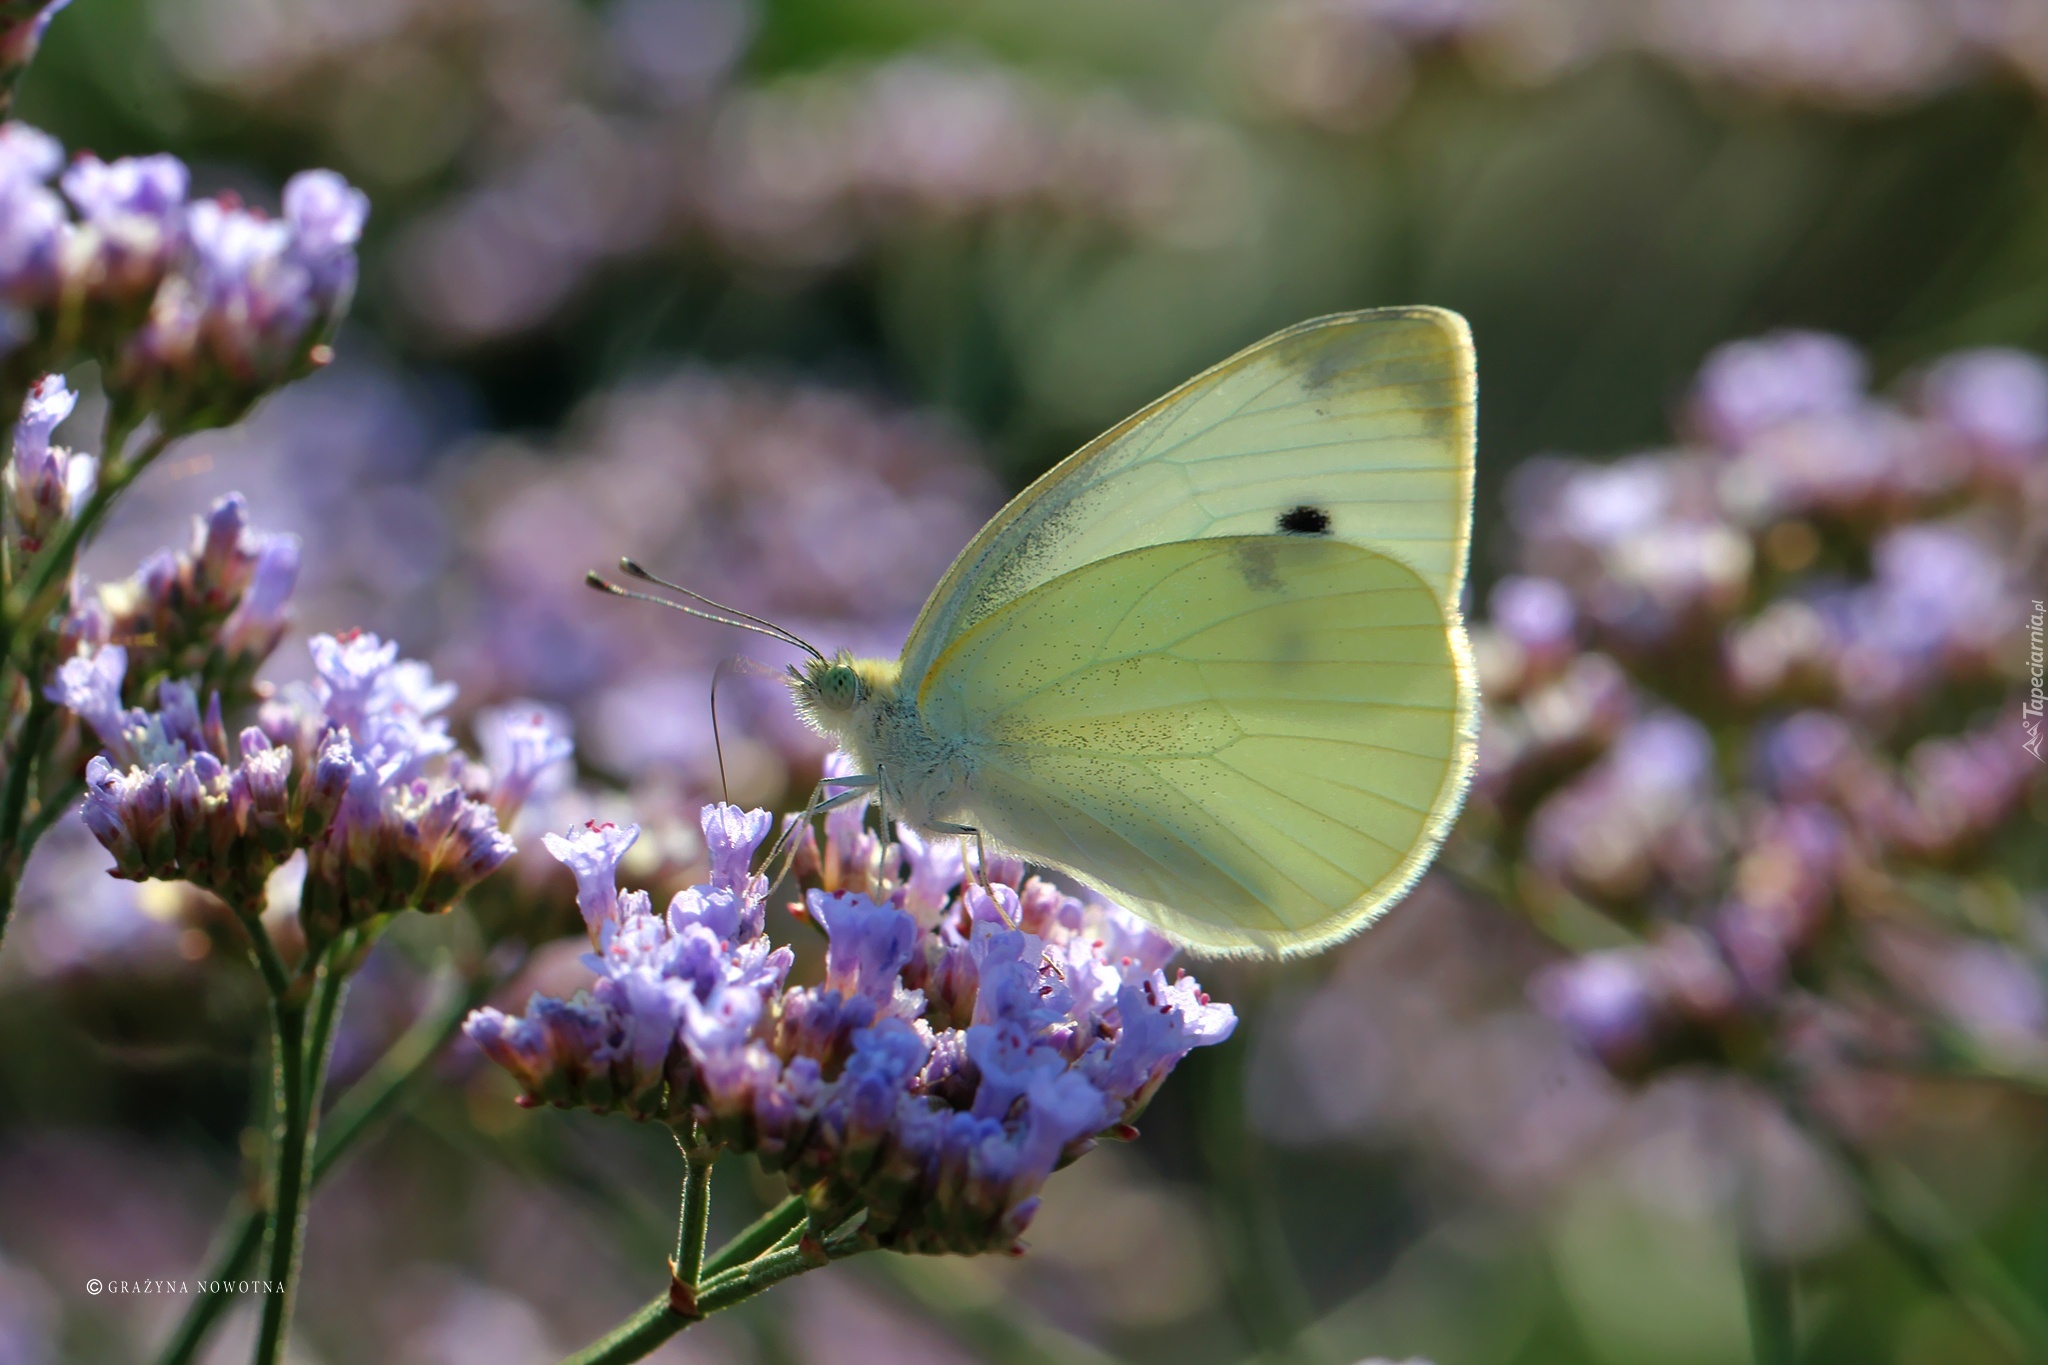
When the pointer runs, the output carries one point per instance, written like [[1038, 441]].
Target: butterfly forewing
[[1356, 427], [1255, 741]]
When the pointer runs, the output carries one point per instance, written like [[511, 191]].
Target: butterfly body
[[922, 775], [1212, 664]]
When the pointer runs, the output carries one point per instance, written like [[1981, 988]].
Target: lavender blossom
[[245, 303], [946, 1063], [179, 811], [1996, 401], [395, 829], [33, 225], [171, 800], [1748, 387], [46, 484], [527, 750], [132, 218], [193, 308], [214, 611], [1838, 730]]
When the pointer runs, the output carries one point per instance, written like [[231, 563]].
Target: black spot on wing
[[1305, 520]]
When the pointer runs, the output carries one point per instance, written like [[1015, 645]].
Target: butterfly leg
[[858, 787], [980, 849]]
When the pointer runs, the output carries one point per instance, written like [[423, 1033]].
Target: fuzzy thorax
[[862, 705]]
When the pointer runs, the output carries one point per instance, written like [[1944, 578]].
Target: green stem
[[695, 1220], [243, 1234], [287, 1179], [763, 1234], [330, 990], [373, 1096], [1768, 1287], [298, 1072], [657, 1321], [742, 1282], [22, 762], [276, 978], [354, 1115]]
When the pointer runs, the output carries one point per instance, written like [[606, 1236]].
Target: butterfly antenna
[[717, 745], [755, 624], [634, 569]]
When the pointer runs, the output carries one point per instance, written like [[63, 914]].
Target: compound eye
[[839, 687]]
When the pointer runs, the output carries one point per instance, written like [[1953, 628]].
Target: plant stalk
[[657, 1321], [302, 1036], [354, 1115]]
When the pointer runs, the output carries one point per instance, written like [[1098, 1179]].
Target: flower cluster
[[966, 1038], [646, 122], [1344, 63], [194, 308], [1758, 699], [214, 611], [347, 769]]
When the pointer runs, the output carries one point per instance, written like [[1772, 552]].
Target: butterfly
[[1212, 664]]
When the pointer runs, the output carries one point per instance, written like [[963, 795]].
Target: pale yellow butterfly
[[1212, 664]]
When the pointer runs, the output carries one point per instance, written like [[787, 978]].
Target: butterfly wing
[[1362, 420], [1256, 742]]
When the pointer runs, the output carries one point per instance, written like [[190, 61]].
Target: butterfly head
[[833, 694]]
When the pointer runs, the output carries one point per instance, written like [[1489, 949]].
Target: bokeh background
[[784, 297]]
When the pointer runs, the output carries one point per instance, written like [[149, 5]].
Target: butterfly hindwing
[[1254, 741]]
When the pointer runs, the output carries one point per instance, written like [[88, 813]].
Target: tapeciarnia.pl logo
[[2030, 710]]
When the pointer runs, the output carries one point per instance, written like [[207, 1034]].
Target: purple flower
[[379, 835], [1160, 1023], [731, 836], [886, 1056], [1633, 814], [47, 484], [89, 684], [937, 867], [245, 299], [147, 187], [865, 1090], [1996, 400], [1604, 1003], [391, 706], [214, 611], [133, 212], [868, 944], [592, 852], [258, 621], [1008, 1059], [326, 215], [1537, 614], [33, 224], [1747, 387], [175, 810], [527, 747]]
